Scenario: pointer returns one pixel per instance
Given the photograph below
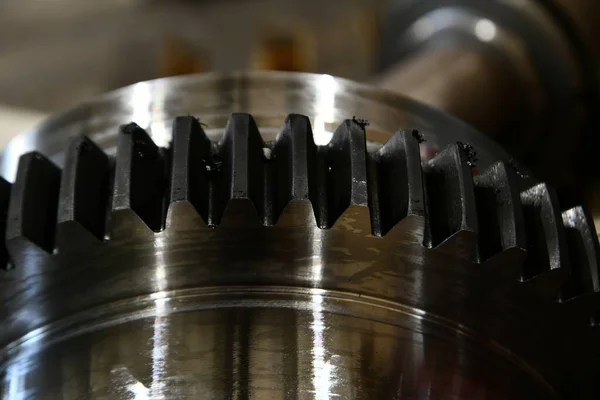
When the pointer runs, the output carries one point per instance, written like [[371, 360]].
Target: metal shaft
[[465, 83], [523, 72]]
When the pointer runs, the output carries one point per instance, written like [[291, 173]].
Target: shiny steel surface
[[410, 280], [268, 96], [276, 343]]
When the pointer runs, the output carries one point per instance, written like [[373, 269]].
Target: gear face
[[285, 268]]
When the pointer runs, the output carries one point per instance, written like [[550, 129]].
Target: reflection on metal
[[485, 30], [327, 88], [317, 267], [139, 391], [324, 369], [141, 103], [15, 386], [160, 350], [14, 381], [357, 348]]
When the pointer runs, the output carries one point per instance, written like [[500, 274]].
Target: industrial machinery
[[287, 236], [526, 72], [278, 235]]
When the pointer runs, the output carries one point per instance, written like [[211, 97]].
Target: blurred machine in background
[[525, 72], [72, 50]]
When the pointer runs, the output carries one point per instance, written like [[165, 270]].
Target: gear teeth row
[[484, 218]]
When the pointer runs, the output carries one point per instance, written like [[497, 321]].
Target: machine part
[[268, 257], [470, 84], [523, 71]]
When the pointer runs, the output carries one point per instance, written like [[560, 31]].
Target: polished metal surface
[[268, 96], [277, 343], [365, 263]]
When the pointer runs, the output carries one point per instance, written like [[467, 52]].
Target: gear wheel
[[484, 260]]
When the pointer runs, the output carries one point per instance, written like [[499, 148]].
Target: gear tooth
[[139, 183], [346, 156], [547, 262], [452, 217], [399, 180], [295, 158], [32, 212], [499, 215], [192, 165], [244, 169], [5, 190], [583, 285], [84, 194]]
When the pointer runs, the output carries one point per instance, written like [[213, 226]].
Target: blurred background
[[522, 71]]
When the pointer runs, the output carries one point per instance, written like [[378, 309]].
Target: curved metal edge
[[52, 135], [208, 298]]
